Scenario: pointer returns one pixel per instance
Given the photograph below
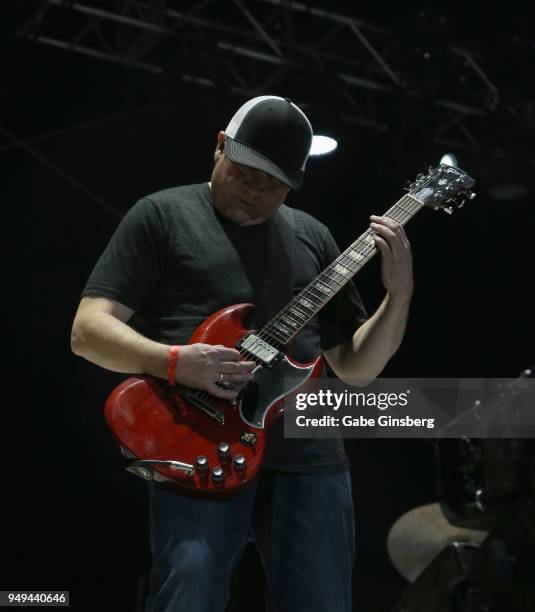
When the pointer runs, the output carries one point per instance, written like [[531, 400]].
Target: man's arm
[[101, 335], [373, 344]]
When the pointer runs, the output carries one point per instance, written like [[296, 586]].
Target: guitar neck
[[308, 302]]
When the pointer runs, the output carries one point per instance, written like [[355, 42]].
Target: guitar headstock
[[445, 187]]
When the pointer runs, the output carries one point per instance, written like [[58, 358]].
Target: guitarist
[[183, 253]]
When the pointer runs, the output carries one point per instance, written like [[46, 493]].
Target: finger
[[392, 237], [218, 391], [246, 376], [393, 225], [227, 354], [383, 231], [384, 247], [399, 231], [239, 367]]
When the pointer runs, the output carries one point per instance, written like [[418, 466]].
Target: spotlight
[[322, 145], [449, 159]]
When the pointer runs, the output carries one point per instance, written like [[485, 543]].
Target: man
[[178, 256]]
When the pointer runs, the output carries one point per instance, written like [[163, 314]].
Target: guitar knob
[[240, 463], [201, 465], [223, 450], [218, 475]]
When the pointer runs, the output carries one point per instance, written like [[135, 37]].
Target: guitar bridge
[[193, 400], [268, 355]]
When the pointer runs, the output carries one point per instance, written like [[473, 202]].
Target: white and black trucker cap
[[273, 135]]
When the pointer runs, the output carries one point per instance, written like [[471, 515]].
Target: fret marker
[[289, 322], [306, 303], [281, 328], [323, 288], [296, 313], [341, 270], [355, 255]]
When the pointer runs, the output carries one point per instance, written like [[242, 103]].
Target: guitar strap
[[278, 288]]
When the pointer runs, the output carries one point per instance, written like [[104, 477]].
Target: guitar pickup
[[256, 347]]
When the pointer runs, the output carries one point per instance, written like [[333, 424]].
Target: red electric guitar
[[208, 447]]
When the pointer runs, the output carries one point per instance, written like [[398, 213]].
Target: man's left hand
[[396, 264]]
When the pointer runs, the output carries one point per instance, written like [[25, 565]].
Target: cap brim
[[242, 154]]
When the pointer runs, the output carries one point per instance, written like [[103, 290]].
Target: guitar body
[[153, 421]]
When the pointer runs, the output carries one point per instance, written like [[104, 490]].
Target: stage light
[[321, 145], [449, 159]]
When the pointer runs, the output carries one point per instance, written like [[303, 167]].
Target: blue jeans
[[302, 526]]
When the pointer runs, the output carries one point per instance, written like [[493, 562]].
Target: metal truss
[[250, 47]]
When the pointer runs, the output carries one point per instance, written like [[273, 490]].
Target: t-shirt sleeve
[[345, 313], [132, 263]]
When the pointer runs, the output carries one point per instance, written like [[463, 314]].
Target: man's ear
[[220, 145]]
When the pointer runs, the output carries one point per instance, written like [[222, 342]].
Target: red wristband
[[172, 360]]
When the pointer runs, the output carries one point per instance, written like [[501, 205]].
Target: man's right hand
[[202, 366]]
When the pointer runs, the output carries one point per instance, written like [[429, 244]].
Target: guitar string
[[312, 291], [413, 206], [348, 261], [366, 253]]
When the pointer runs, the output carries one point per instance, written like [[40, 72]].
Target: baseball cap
[[273, 135]]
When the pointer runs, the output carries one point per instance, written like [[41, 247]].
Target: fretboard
[[308, 302]]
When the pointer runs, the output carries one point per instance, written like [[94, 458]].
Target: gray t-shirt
[[175, 261]]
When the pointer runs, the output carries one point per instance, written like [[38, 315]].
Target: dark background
[[81, 139]]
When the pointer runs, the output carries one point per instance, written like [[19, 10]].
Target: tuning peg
[[409, 186], [420, 177], [448, 209], [471, 195]]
